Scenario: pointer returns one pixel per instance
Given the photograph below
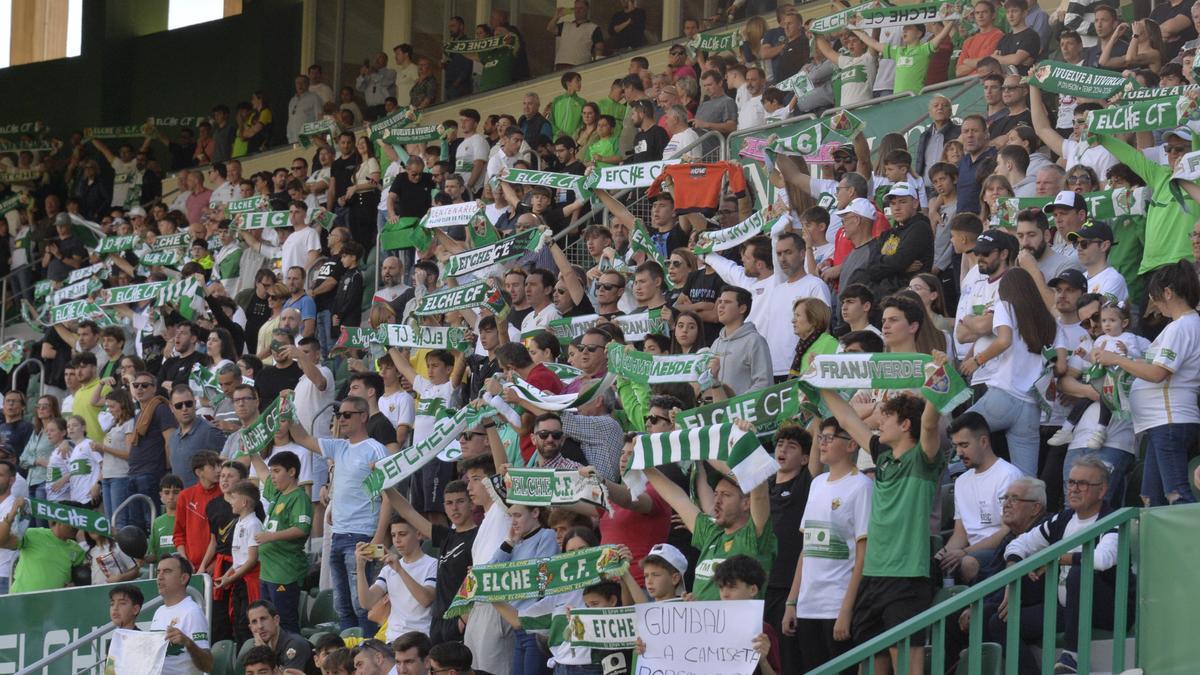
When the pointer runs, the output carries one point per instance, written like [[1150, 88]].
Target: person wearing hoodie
[[742, 357], [904, 250]]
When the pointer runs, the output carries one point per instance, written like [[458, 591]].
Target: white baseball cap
[[901, 190], [669, 554], [859, 206]]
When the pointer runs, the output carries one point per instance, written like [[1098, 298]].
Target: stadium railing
[[935, 618]]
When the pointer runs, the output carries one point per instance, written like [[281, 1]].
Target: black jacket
[[948, 132], [894, 251]]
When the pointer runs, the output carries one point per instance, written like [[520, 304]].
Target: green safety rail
[[934, 619]]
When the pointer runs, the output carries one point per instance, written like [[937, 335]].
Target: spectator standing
[[574, 39], [627, 28], [282, 541], [1022, 46], [316, 86], [975, 153], [425, 92], [983, 43], [148, 452], [303, 108], [650, 139], [566, 110], [190, 436], [407, 74], [743, 356], [190, 535], [457, 67], [375, 83], [717, 112], [793, 53]]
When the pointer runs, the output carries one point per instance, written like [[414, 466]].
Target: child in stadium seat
[[162, 540]]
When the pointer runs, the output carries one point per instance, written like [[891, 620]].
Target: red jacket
[[191, 525]]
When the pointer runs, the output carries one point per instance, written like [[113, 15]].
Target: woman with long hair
[[687, 334], [994, 188], [277, 295], [1163, 395], [127, 367], [680, 266], [543, 347], [929, 288], [1009, 362], [752, 35], [114, 469], [220, 348], [35, 457], [362, 198], [1146, 46], [528, 539], [587, 131], [810, 322]]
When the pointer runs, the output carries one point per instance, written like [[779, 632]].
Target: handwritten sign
[[699, 638]]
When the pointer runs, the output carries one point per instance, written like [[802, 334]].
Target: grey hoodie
[[745, 359]]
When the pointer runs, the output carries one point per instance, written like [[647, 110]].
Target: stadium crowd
[[257, 407]]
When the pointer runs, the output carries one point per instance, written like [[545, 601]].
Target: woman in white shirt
[[1009, 362], [1163, 397], [362, 198]]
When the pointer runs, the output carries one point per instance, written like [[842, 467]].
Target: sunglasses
[[1083, 244], [468, 435], [655, 419], [345, 415], [142, 385], [549, 434], [679, 263], [184, 405], [591, 349], [608, 287]]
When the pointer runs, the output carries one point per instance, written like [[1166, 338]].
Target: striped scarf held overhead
[[741, 450]]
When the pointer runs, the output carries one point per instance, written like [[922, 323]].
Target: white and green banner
[[99, 271], [16, 201], [873, 18], [556, 402], [1077, 81], [554, 181], [11, 354], [1131, 95], [204, 384], [79, 518], [319, 129], [715, 41], [450, 215], [469, 296], [608, 628], [760, 222], [395, 468], [797, 84], [123, 295], [1153, 115], [258, 220], [837, 21], [740, 450], [127, 131], [262, 430], [656, 369], [515, 246], [480, 45], [765, 408], [72, 311], [868, 371], [423, 337], [400, 118], [247, 205], [406, 135], [170, 257], [20, 176], [635, 327], [118, 244], [548, 487], [75, 291], [626, 176], [165, 241]]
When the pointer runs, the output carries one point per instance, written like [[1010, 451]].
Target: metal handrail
[[4, 298], [41, 371], [95, 635], [936, 617]]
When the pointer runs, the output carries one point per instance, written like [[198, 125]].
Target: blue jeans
[[528, 656], [1018, 420], [141, 484], [1166, 469], [1119, 463], [5, 582], [114, 491], [324, 329], [343, 569], [286, 598]]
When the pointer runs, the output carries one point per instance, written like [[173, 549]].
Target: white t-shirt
[[857, 76], [305, 477], [492, 532], [431, 397], [243, 538], [187, 616], [680, 142], [386, 180], [777, 322], [297, 245], [978, 295], [398, 407], [751, 112], [309, 400], [1015, 370], [407, 614], [406, 77], [1109, 283], [108, 558], [500, 163], [915, 182], [473, 147], [540, 319], [1126, 343], [59, 465], [84, 463], [1172, 401], [977, 499], [1072, 338], [126, 175], [9, 556], [835, 519], [1097, 156]]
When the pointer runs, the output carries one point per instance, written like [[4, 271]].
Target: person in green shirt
[[603, 151], [162, 530], [565, 112], [47, 553], [497, 63], [740, 522], [1168, 223], [283, 562], [912, 57], [908, 463], [613, 105]]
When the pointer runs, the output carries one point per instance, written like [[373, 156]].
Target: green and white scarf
[[646, 368], [450, 215], [321, 128], [904, 15], [258, 220], [626, 176], [868, 371], [640, 242], [837, 21], [556, 402], [798, 84], [127, 131], [740, 450], [11, 354], [563, 371], [478, 46], [23, 128], [422, 337], [714, 41], [99, 271], [177, 240], [204, 384], [12, 203], [400, 118], [166, 258], [470, 296], [509, 248], [186, 295], [20, 176], [79, 518], [537, 578], [240, 206], [766, 409], [945, 389], [607, 628], [1078, 81], [396, 467], [547, 487], [262, 430], [804, 142], [118, 244], [37, 145], [72, 311], [760, 222], [75, 291], [123, 295], [635, 327], [1131, 95], [1153, 115], [554, 181], [173, 122], [406, 135]]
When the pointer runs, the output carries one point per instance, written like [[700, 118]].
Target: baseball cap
[[901, 190], [995, 240], [1093, 229], [847, 150], [1182, 133], [859, 206], [137, 211], [1070, 276], [1067, 198], [669, 555]]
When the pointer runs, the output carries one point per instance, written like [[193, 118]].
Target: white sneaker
[[1061, 437], [1096, 441]]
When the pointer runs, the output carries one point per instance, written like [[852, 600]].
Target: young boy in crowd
[[284, 562], [326, 645], [408, 580], [814, 227], [662, 570], [339, 661], [162, 530], [857, 301], [912, 56], [222, 520], [242, 578]]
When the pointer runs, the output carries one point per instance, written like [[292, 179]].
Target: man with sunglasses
[[355, 512], [1092, 243], [191, 435], [147, 452], [374, 657]]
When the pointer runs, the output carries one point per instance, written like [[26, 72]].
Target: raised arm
[[668, 490], [847, 418], [567, 272], [301, 437], [871, 42], [403, 365], [826, 49], [947, 26], [616, 209], [1041, 121]]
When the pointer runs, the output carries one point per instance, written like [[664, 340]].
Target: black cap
[[1093, 229], [996, 240], [1070, 276]]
